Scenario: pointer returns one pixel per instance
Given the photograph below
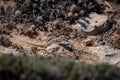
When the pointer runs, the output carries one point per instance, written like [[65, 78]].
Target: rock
[[54, 48], [114, 38], [94, 25], [89, 41], [39, 18], [108, 7], [76, 16], [73, 7], [82, 12], [66, 46], [80, 25], [4, 40], [32, 27], [98, 24], [106, 53], [4, 50], [30, 31], [8, 6], [79, 1], [57, 21], [70, 14], [17, 13]]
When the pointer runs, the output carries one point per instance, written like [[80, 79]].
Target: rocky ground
[[84, 30]]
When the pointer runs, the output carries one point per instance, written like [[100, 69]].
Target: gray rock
[[70, 14], [106, 54], [80, 25], [94, 25], [82, 12], [4, 50], [17, 13], [73, 7]]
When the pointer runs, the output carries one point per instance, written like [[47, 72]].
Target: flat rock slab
[[106, 54], [97, 20], [95, 24]]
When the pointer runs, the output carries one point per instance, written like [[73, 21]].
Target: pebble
[[54, 48], [17, 13], [32, 26], [82, 12], [70, 14], [73, 7], [76, 16], [89, 41]]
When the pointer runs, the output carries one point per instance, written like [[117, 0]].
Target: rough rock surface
[[106, 54], [94, 25], [4, 50]]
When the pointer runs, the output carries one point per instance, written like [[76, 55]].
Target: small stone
[[106, 53], [70, 14], [97, 24], [17, 13], [39, 18], [89, 41], [76, 16], [73, 7], [32, 26], [79, 1], [82, 12], [80, 25], [54, 48]]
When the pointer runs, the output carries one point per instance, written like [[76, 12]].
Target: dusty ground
[[92, 45]]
